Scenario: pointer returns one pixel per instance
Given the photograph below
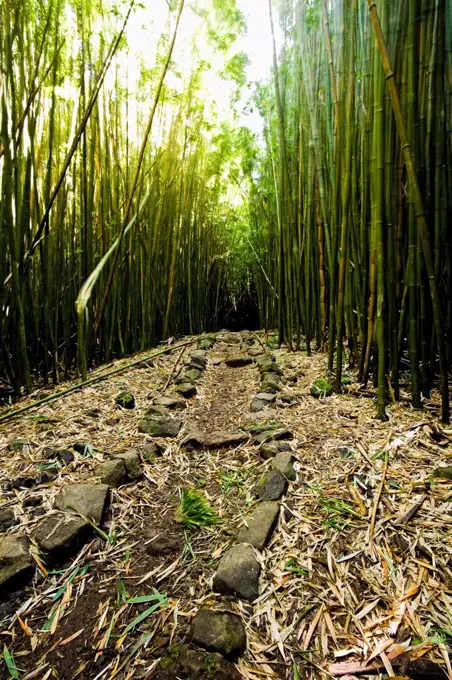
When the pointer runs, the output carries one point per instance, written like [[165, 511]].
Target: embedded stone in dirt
[[156, 409], [216, 361], [132, 462], [443, 472], [271, 449], [289, 399], [424, 669], [260, 525], [162, 544], [16, 565], [151, 450], [160, 426], [238, 361], [261, 401], [61, 534], [270, 387], [218, 631], [191, 376], [198, 360], [192, 664], [186, 390], [7, 519], [272, 487], [273, 435], [256, 351], [216, 439], [284, 463], [112, 473], [88, 500], [62, 455], [231, 338], [238, 573], [170, 403], [125, 400]]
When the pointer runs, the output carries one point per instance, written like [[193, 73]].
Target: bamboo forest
[[225, 339]]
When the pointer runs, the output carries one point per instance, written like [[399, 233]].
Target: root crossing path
[[325, 554]]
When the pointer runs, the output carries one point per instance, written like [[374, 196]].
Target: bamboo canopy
[[132, 210]]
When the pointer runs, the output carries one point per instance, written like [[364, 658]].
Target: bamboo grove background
[[121, 222], [358, 238], [112, 195]]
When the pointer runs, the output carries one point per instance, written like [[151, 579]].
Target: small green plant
[[293, 566], [194, 510], [321, 388]]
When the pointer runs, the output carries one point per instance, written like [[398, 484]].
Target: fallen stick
[[91, 381], [412, 510], [376, 504]]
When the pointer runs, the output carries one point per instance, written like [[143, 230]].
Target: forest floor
[[350, 585]]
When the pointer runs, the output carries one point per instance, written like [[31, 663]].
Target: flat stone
[[260, 525], [125, 400], [284, 463], [132, 463], [261, 401], [192, 375], [170, 403], [238, 361], [61, 534], [273, 435], [272, 378], [88, 500], [156, 409], [256, 351], [186, 390], [443, 472], [218, 631], [160, 426], [112, 472], [216, 439], [271, 449], [216, 361], [193, 664], [199, 354], [16, 564], [231, 338], [7, 519], [273, 486], [162, 544], [198, 360], [238, 573], [289, 399]]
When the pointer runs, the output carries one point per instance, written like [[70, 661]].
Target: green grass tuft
[[194, 510]]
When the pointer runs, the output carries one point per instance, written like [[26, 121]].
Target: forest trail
[[354, 569]]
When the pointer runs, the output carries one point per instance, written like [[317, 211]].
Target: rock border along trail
[[99, 580]]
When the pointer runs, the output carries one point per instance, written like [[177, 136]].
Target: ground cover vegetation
[[131, 211]]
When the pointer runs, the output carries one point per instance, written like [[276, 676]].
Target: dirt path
[[330, 592]]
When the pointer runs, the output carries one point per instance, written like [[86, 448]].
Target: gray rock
[[62, 455], [170, 403], [443, 472], [7, 519], [206, 343], [231, 338], [273, 435], [260, 525], [271, 449], [216, 439], [61, 534], [113, 473], [156, 409], [284, 463], [151, 450], [186, 390], [192, 375], [16, 564], [160, 426], [272, 487], [265, 427], [88, 500], [132, 462], [199, 354], [238, 573], [125, 400], [255, 352], [193, 664], [216, 361], [261, 401], [198, 360], [238, 361], [218, 631]]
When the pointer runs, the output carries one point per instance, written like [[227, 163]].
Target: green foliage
[[194, 510], [321, 388]]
